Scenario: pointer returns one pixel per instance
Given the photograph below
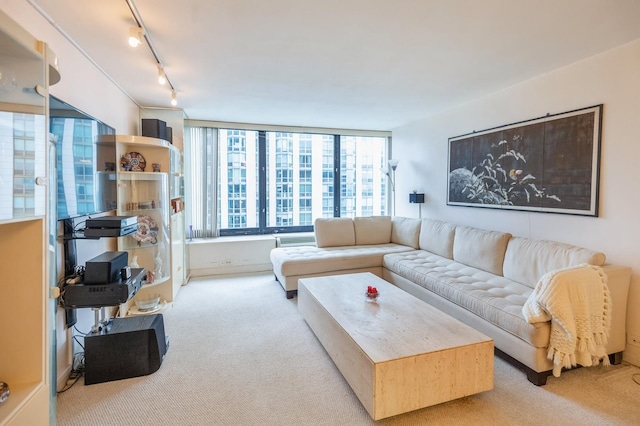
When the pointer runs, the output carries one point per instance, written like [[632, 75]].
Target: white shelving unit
[[27, 229], [147, 192]]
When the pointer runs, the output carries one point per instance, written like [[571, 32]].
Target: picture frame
[[549, 164]]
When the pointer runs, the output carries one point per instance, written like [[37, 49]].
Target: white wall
[[230, 255], [82, 84], [611, 78]]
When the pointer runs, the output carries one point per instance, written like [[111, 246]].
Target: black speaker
[[154, 128], [127, 347]]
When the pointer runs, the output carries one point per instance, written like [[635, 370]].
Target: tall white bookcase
[[148, 174], [27, 228]]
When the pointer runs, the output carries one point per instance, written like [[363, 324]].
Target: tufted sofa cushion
[[527, 260], [334, 232], [480, 249], [306, 260], [372, 230], [437, 237], [493, 298], [405, 231]]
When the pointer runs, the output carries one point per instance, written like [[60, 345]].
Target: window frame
[[335, 181]]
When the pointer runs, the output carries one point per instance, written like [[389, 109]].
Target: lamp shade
[[416, 198]]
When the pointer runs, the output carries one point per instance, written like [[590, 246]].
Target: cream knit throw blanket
[[577, 302]]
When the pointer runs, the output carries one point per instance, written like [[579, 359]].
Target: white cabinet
[[27, 242], [178, 274], [146, 172]]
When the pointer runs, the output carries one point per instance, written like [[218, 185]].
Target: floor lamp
[[391, 174]]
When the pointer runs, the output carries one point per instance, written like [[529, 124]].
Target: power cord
[[73, 278], [76, 372], [636, 378], [77, 369]]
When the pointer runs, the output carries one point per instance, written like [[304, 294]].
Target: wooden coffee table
[[398, 354]]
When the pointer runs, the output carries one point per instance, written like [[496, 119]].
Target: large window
[[275, 181]]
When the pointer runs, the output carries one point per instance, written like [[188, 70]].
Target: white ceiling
[[353, 64]]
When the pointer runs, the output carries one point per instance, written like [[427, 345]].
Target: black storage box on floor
[[128, 347], [154, 128]]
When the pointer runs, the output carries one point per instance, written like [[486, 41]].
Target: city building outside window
[[277, 181]]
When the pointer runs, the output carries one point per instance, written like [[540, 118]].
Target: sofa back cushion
[[372, 230], [334, 232], [480, 249], [527, 260], [405, 231], [437, 237]]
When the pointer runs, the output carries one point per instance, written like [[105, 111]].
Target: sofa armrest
[[618, 280]]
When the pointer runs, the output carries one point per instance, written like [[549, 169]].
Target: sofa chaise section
[[344, 245]]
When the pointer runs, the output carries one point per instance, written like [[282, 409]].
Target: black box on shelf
[[105, 269], [112, 222], [170, 135], [154, 128], [99, 295]]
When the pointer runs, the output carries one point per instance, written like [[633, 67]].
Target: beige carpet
[[241, 354]]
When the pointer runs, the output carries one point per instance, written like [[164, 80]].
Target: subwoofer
[[127, 347]]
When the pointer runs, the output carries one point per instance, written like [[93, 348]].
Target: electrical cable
[[76, 373], [79, 332], [75, 338]]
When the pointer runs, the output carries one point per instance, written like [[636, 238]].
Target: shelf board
[[19, 396], [156, 282], [122, 175]]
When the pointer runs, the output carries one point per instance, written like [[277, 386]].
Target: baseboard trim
[[63, 378]]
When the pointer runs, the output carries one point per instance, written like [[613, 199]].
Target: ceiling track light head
[[135, 36], [162, 77], [174, 99]]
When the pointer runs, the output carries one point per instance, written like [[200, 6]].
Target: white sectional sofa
[[483, 278]]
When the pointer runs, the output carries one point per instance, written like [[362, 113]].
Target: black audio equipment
[[126, 347], [98, 295], [111, 222], [110, 232], [105, 269]]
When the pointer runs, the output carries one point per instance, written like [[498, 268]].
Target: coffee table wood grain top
[[398, 353]]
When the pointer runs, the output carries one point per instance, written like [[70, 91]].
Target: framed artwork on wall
[[548, 164]]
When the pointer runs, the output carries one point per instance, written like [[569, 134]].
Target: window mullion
[[336, 175], [262, 181]]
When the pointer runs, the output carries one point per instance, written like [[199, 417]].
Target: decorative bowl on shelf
[[147, 302]]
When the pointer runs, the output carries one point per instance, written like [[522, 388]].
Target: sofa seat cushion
[[305, 260], [496, 299]]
